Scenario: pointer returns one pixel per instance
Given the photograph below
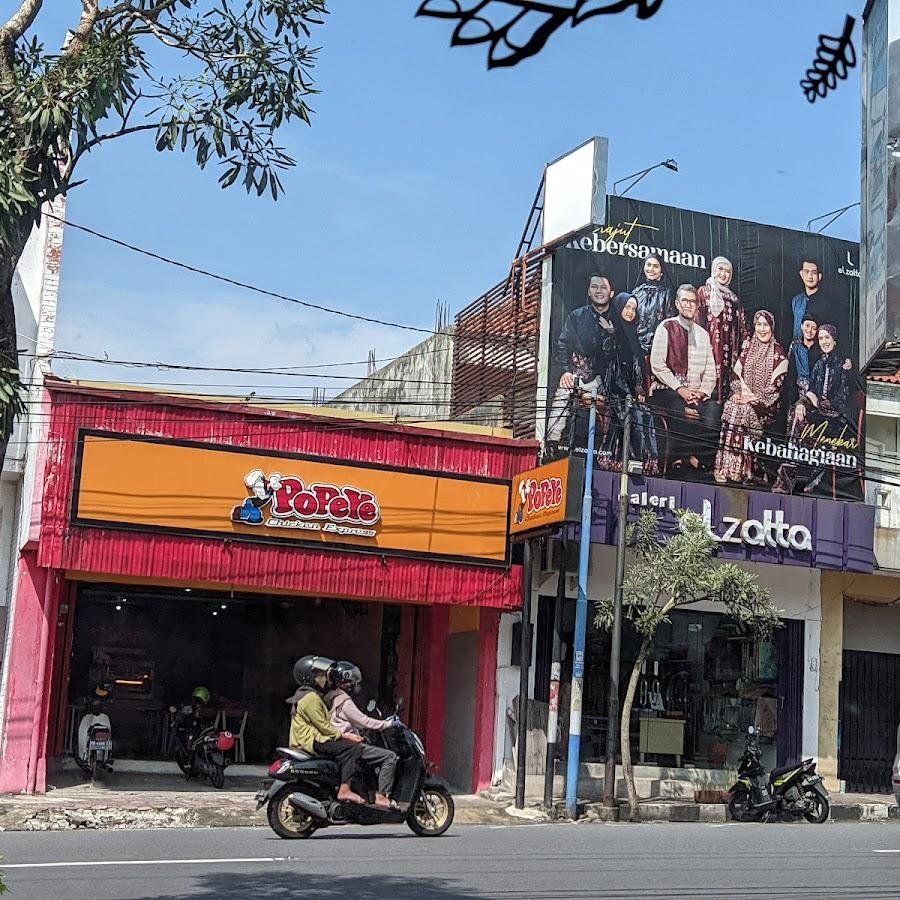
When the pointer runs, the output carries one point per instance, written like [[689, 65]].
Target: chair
[[239, 755]]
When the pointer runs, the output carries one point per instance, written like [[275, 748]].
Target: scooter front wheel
[[432, 813], [287, 821], [819, 808], [217, 776]]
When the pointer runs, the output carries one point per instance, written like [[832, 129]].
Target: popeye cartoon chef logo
[[290, 500], [262, 490]]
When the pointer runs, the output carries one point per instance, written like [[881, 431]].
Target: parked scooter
[[200, 750], [789, 792], [94, 753], [301, 790]]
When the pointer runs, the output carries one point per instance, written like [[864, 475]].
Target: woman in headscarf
[[654, 300], [631, 380], [829, 384], [720, 312], [756, 387], [825, 402]]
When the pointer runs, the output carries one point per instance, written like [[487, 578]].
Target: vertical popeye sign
[[546, 496]]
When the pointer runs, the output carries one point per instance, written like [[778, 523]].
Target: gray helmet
[[345, 676], [308, 668]]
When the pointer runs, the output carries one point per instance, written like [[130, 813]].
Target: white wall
[[35, 292], [872, 627]]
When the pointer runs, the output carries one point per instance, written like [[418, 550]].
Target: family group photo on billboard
[[737, 344]]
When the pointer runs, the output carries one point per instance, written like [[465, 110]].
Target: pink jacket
[[346, 716]]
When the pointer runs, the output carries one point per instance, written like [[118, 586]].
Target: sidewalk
[[844, 808], [130, 800]]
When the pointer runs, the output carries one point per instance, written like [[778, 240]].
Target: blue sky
[[416, 176]]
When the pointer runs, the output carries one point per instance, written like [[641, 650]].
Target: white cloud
[[223, 330]]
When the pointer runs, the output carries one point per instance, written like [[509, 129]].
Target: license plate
[[99, 745], [261, 797]]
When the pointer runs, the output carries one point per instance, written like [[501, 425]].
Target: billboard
[[181, 487], [737, 341], [876, 158]]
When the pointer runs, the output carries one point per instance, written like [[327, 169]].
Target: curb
[[109, 818]]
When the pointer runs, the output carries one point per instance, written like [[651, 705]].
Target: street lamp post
[[615, 652], [670, 164], [578, 643]]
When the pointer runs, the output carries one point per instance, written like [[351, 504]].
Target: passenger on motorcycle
[[345, 681], [311, 730]]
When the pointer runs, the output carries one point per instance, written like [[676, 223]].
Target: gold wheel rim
[[292, 819], [441, 811]]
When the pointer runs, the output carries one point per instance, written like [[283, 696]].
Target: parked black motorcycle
[[789, 792], [301, 791], [199, 750]]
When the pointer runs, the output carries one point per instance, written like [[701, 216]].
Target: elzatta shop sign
[[182, 487]]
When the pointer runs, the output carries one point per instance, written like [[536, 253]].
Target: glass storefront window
[[707, 679]]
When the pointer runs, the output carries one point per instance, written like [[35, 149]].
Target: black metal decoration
[[835, 56], [518, 29]]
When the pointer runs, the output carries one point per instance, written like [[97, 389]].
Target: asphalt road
[[549, 861]]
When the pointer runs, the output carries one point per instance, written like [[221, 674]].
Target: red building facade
[[132, 574]]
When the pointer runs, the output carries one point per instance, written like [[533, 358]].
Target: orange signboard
[[190, 488], [546, 496]]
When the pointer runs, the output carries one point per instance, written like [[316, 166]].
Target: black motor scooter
[[789, 792], [199, 750], [301, 791]]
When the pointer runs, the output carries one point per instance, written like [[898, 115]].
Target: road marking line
[[146, 862], [886, 851]]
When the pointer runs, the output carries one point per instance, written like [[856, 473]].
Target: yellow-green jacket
[[310, 722]]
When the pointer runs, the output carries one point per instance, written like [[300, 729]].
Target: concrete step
[[590, 787]]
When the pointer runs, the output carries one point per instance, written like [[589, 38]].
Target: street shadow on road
[[283, 885]]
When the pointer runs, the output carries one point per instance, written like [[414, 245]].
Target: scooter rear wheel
[[740, 807], [286, 821], [432, 813]]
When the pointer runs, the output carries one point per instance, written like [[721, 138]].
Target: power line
[[234, 282]]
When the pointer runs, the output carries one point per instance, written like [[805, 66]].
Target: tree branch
[[75, 44], [21, 20], [148, 126]]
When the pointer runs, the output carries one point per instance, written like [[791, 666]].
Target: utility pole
[[524, 664], [612, 713], [584, 551], [555, 672]]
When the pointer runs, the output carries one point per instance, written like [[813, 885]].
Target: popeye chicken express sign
[[546, 496], [182, 487], [748, 525]]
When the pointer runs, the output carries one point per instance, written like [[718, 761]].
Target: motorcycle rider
[[311, 730], [345, 680]]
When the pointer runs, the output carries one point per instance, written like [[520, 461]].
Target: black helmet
[[308, 668], [344, 676]]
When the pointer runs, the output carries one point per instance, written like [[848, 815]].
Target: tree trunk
[[12, 244], [625, 734]]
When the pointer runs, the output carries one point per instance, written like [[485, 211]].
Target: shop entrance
[[869, 703], [705, 682], [156, 645]]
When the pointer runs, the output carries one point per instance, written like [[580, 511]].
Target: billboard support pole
[[555, 673], [584, 550], [524, 665], [612, 714]]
